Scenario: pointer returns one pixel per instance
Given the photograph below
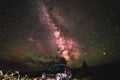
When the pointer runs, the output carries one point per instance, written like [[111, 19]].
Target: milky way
[[65, 46]]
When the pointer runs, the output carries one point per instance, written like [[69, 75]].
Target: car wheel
[[43, 76], [58, 77]]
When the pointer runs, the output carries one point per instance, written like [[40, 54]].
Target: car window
[[51, 68], [58, 68]]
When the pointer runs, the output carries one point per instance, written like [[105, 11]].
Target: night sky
[[37, 32]]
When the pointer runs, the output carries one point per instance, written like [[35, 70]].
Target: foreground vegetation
[[12, 76]]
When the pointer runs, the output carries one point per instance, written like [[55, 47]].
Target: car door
[[52, 71]]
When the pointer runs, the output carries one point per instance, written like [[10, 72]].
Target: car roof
[[60, 65]]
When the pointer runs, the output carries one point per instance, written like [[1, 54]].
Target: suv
[[57, 71]]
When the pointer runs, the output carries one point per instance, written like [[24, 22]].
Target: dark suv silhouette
[[57, 71]]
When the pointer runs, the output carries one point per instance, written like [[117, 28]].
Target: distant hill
[[6, 64], [108, 71]]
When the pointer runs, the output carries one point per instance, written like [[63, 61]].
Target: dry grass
[[87, 78]]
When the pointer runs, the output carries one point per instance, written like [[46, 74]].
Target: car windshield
[[59, 67]]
